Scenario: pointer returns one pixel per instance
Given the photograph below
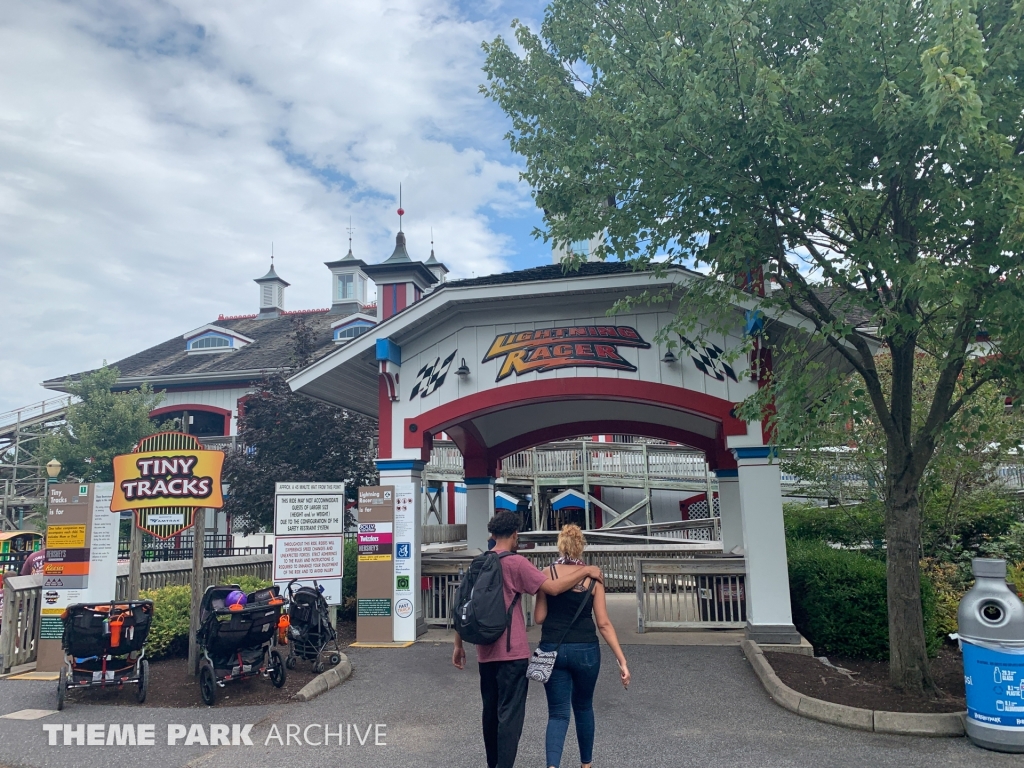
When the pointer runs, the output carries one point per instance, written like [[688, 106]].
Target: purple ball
[[236, 597]]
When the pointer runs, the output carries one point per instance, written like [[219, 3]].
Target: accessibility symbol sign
[[403, 550]]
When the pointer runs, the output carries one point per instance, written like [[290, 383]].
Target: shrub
[[839, 601], [849, 526], [172, 607], [347, 609], [168, 632]]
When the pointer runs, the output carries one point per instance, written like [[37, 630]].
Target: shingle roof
[[550, 272], [272, 348]]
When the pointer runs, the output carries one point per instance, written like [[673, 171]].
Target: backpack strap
[[511, 607]]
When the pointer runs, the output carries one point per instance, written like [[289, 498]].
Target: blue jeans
[[572, 684]]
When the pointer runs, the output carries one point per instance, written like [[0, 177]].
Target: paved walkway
[[688, 706]]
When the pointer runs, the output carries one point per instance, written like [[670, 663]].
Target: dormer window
[[352, 327], [211, 339], [210, 342]]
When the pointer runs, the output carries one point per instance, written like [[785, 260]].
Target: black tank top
[[561, 609]]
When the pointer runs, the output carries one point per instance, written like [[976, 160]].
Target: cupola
[[400, 281], [271, 293], [348, 284]]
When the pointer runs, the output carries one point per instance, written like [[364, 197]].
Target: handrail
[[705, 593]]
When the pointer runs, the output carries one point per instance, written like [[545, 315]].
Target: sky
[[152, 151]]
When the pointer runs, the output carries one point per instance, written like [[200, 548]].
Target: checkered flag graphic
[[431, 376], [707, 360]]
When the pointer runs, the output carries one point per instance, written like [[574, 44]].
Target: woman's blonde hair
[[571, 542]]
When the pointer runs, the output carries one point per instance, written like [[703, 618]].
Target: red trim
[[598, 512], [195, 407], [450, 487], [383, 419], [401, 296], [576, 388]]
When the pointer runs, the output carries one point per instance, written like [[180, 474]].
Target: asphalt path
[[687, 706]]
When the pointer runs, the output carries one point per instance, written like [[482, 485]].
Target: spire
[[433, 259], [400, 255], [438, 269], [349, 256]]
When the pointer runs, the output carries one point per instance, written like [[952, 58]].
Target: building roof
[[271, 276], [399, 264], [549, 272], [271, 350]]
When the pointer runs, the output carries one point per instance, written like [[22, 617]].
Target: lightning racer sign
[[590, 346]]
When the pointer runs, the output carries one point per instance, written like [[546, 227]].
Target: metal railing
[[19, 623], [702, 593], [179, 573], [703, 530], [608, 462]]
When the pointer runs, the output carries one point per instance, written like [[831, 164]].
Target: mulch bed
[[170, 684], [865, 684]]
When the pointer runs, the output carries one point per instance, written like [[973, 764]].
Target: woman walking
[[578, 663]]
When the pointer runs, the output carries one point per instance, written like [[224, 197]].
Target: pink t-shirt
[[518, 575]]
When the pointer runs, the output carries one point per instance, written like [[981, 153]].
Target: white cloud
[[152, 151]]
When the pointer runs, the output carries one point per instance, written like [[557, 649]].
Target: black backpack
[[480, 616]]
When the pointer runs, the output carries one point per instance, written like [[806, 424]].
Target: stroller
[[310, 634], [238, 641], [104, 645]]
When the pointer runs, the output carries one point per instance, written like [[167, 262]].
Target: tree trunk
[[908, 656]]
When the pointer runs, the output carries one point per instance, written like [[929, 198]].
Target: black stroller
[[104, 645], [238, 641], [310, 634]]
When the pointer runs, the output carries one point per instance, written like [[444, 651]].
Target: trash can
[[991, 629]]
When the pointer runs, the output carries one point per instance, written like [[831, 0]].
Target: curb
[[878, 721], [323, 682]]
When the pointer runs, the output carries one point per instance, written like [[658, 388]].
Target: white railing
[[32, 412], [445, 459], [607, 461], [443, 534], [704, 593]]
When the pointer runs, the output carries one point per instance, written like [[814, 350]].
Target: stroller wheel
[[62, 687], [277, 673], [143, 684], [291, 662], [335, 659], [207, 685], [318, 667]]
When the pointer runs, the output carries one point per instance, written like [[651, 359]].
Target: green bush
[[172, 606], [168, 632], [347, 610], [848, 526], [839, 601]]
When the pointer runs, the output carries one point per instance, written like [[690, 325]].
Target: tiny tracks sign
[[167, 476]]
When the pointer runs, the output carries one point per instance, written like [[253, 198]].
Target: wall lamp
[[463, 370], [669, 357]]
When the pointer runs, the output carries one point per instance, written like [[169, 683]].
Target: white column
[[479, 511], [729, 504], [769, 614], [406, 475]]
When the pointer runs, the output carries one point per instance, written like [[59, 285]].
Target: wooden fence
[[19, 630], [700, 593]]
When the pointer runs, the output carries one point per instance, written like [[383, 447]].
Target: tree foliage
[[287, 437], [860, 164], [100, 425]]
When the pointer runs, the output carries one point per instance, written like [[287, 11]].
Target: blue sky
[[152, 151]]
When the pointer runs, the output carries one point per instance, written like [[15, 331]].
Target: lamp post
[[53, 468]]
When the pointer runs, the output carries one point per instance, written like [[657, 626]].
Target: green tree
[[101, 425], [844, 459], [860, 164], [285, 437]]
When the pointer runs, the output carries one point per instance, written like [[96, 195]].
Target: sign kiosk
[[388, 562], [80, 564], [309, 527]]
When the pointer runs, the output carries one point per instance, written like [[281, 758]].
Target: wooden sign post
[[197, 585], [375, 597]]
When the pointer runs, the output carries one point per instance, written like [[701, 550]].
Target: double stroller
[[104, 645], [310, 634], [238, 639]]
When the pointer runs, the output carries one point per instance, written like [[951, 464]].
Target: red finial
[[401, 212]]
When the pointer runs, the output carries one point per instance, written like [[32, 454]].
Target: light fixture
[[53, 468], [669, 357], [463, 370]]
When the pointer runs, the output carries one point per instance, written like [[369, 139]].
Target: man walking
[[503, 682]]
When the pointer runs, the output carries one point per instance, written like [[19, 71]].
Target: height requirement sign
[[309, 523]]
